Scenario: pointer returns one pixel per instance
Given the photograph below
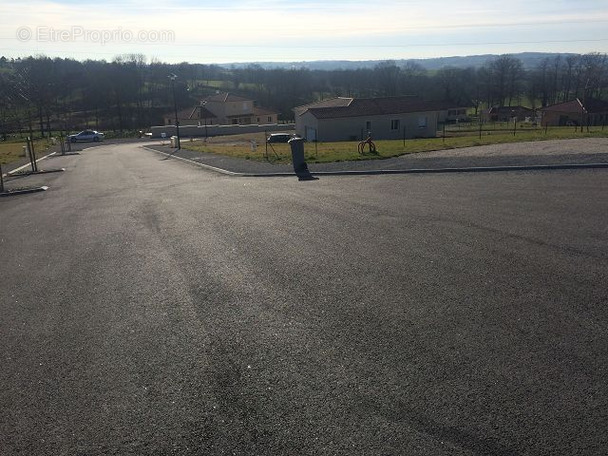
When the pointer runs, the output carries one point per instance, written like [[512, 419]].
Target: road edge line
[[472, 169]]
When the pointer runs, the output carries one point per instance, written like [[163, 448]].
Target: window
[[422, 122], [395, 124], [368, 125], [269, 119]]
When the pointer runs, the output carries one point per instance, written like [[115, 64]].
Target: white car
[[86, 136]]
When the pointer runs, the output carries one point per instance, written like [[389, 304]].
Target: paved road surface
[[149, 307]]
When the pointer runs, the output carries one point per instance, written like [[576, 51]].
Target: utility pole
[[173, 77]]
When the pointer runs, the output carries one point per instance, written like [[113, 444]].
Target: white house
[[350, 119]]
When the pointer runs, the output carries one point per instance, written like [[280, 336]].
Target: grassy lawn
[[12, 151], [240, 146]]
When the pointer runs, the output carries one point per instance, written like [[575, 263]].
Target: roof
[[590, 105], [200, 112], [259, 111], [329, 103], [358, 107], [225, 97], [183, 114]]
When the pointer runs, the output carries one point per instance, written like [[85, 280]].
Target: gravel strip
[[558, 152]]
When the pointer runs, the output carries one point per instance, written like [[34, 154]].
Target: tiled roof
[[200, 112], [226, 97], [568, 106], [329, 103], [259, 111], [591, 105], [359, 107], [183, 114]]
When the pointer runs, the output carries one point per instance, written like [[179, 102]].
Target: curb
[[24, 191], [16, 174], [27, 165], [475, 169]]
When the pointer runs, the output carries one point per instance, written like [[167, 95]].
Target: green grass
[[216, 84], [12, 151], [240, 146]]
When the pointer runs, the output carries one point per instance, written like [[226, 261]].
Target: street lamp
[[173, 77]]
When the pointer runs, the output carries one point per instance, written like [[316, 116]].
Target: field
[[241, 146], [12, 151]]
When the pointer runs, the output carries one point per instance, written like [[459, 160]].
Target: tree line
[[41, 95]]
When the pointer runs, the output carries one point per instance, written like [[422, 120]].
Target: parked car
[[86, 136], [279, 138]]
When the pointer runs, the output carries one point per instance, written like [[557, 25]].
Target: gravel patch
[[558, 152]]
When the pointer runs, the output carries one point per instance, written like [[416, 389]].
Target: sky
[[238, 31]]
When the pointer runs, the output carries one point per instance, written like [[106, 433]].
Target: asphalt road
[[150, 307]]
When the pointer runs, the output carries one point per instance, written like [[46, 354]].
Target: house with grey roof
[[351, 119]]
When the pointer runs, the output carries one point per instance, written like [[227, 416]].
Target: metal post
[[32, 154], [1, 180], [173, 77]]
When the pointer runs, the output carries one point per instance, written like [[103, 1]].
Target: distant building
[[224, 109], [454, 115], [344, 119], [576, 112], [507, 114]]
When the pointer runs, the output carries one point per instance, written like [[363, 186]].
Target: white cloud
[[275, 27]]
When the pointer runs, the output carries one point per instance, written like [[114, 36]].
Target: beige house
[[351, 119], [229, 109], [225, 109]]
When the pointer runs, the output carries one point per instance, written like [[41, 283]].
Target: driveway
[[149, 306]]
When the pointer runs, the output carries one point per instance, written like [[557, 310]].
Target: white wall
[[216, 130], [355, 128]]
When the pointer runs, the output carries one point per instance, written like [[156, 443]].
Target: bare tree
[[387, 77], [505, 77]]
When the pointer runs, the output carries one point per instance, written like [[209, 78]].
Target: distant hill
[[529, 60]]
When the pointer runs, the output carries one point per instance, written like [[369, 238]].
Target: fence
[[198, 131], [514, 128]]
